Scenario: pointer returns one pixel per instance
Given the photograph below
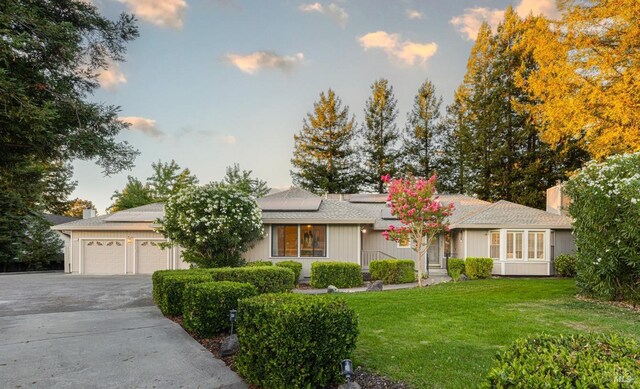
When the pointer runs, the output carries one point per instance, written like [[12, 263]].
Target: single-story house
[[304, 227]]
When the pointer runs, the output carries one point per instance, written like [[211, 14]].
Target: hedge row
[[338, 274], [296, 268], [268, 279], [575, 361], [173, 286], [478, 267], [258, 263], [206, 306], [294, 341], [393, 271]]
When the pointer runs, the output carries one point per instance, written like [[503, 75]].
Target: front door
[[434, 257]]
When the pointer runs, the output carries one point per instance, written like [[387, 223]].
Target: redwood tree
[[415, 203]]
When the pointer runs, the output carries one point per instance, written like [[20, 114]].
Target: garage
[[150, 256], [103, 256]]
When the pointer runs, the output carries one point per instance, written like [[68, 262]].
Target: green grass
[[446, 336]]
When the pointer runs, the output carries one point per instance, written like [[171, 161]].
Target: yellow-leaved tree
[[587, 82]]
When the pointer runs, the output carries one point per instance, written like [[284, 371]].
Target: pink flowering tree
[[415, 203]]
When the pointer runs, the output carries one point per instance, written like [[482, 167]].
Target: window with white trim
[[293, 240], [514, 244], [535, 245], [494, 244]]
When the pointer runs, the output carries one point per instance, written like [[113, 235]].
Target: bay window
[[514, 244], [494, 245], [536, 245], [293, 240]]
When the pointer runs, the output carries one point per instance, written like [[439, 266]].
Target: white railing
[[366, 256]]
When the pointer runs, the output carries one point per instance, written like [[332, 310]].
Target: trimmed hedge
[[475, 267], [206, 306], [574, 361], [258, 263], [565, 265], [393, 271], [296, 267], [338, 274], [268, 279], [172, 289], [294, 341], [455, 268], [158, 276]]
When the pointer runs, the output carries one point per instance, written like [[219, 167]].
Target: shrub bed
[[338, 274], [294, 341], [575, 361], [475, 267], [206, 306], [172, 289], [565, 265], [296, 267], [455, 268], [258, 263], [393, 271], [268, 279]]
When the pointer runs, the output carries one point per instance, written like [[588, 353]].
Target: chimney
[[557, 201], [88, 213]]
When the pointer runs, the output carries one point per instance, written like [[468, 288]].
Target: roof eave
[[518, 226]]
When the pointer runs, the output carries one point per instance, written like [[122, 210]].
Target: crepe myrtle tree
[[415, 203], [214, 224]]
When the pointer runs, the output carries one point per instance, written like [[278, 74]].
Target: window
[[404, 243], [535, 245], [299, 241], [514, 244], [494, 245]]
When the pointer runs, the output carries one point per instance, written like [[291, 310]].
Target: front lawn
[[446, 336]]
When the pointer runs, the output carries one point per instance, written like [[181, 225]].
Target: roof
[[292, 207], [54, 220]]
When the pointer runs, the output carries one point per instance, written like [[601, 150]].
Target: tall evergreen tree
[[242, 180], [380, 136], [422, 142], [456, 170], [324, 158]]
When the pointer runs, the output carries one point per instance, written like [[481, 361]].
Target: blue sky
[[210, 83]]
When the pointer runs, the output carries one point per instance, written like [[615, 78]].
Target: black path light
[[347, 370], [232, 318]]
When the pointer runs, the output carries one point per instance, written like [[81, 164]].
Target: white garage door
[[150, 256], [103, 256]]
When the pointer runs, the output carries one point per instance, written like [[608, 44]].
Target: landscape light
[[346, 368], [232, 318]]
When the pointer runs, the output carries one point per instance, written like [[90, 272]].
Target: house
[[304, 227]]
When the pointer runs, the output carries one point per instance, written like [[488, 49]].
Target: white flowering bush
[[606, 211], [214, 224]]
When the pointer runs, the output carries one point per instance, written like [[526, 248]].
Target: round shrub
[[478, 267], [296, 267], [173, 287], [268, 279], [393, 271], [338, 274], [206, 306], [294, 341], [455, 268], [566, 265], [575, 361], [258, 263]]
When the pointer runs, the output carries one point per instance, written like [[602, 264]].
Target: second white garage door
[[103, 256], [150, 257]]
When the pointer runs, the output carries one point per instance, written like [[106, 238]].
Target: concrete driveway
[[64, 331]]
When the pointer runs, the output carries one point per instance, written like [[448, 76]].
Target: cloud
[[337, 14], [227, 139], [112, 76], [252, 63], [144, 125], [471, 19], [406, 51], [163, 13], [413, 14]]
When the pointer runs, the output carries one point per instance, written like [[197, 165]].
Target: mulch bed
[[620, 304], [366, 379]]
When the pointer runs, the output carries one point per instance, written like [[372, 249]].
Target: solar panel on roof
[[290, 204], [368, 198]]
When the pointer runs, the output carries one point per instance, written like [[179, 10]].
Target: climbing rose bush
[[214, 224], [415, 203], [606, 221]]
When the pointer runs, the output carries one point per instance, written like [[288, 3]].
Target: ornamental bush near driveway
[[338, 274], [393, 271], [268, 279], [575, 361], [478, 267], [206, 306], [159, 275], [172, 290], [296, 267], [294, 341]]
